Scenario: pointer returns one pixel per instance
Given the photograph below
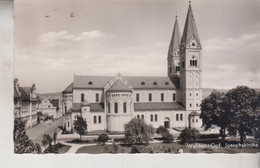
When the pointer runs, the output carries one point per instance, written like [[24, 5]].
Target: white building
[[25, 101], [49, 107], [107, 103]]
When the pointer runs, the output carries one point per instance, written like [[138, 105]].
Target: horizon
[[91, 37]]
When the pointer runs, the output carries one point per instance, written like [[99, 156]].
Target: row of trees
[[235, 111], [22, 143]]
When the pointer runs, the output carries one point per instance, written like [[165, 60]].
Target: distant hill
[[207, 91]]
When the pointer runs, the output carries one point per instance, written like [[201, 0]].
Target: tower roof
[[190, 28], [176, 38]]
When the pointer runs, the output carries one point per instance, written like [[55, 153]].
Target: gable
[[119, 86]]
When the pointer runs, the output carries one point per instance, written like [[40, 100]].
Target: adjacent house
[[25, 101]]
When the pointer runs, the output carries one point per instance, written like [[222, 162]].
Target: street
[[36, 133]]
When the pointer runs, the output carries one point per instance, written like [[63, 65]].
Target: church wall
[[161, 117], [117, 122], [89, 95], [93, 126], [156, 95]]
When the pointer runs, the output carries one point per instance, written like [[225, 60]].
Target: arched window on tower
[[193, 61], [116, 107], [181, 117], [82, 97], [124, 107], [177, 117]]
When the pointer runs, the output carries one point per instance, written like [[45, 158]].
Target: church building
[[109, 102]]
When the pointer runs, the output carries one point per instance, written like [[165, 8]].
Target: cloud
[[60, 38], [232, 61]]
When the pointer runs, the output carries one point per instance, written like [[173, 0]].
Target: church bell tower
[[174, 52], [191, 68]]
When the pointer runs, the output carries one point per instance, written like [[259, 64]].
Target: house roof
[[176, 38], [137, 82], [25, 92], [158, 106], [119, 86], [16, 94], [68, 89], [94, 107], [190, 28], [85, 103]]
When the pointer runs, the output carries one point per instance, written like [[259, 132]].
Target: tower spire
[[175, 40], [190, 28]]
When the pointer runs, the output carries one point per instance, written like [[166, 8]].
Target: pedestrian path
[[75, 147]]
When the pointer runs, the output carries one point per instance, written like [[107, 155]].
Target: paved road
[[36, 133]]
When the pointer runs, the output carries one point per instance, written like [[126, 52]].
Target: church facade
[[109, 102]]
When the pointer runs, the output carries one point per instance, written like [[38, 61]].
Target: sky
[[55, 39]]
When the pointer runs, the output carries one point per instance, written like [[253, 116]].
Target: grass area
[[64, 149], [203, 146], [97, 149], [58, 148]]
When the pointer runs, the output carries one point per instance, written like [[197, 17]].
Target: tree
[[166, 136], [22, 143], [54, 136], [243, 104], [80, 126], [137, 131], [189, 135], [215, 111], [256, 119], [103, 138], [46, 141]]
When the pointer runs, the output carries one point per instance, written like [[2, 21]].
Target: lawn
[[58, 149], [207, 146]]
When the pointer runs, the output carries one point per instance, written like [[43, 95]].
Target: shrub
[[167, 137], [103, 138], [189, 135], [161, 130], [79, 141], [209, 136], [119, 140]]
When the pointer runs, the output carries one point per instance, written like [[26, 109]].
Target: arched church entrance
[[167, 122]]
